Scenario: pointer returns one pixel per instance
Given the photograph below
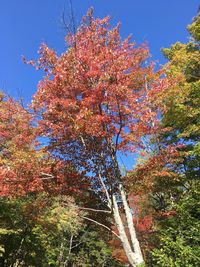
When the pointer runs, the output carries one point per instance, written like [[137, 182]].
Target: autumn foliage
[[100, 99], [25, 166], [102, 87]]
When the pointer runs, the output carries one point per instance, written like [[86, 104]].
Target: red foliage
[[142, 213], [169, 213], [143, 178], [98, 97], [100, 87], [24, 165]]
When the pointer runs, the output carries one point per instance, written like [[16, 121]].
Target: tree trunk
[[131, 249], [123, 237], [135, 243]]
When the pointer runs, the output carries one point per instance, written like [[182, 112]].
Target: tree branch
[[90, 209], [106, 191], [98, 223]]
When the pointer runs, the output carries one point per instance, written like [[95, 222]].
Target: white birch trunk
[[123, 237], [135, 243]]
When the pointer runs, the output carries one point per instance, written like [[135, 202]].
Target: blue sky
[[25, 24]]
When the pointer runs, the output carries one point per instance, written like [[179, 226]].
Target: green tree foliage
[[178, 230], [40, 223], [34, 228], [179, 234], [181, 103], [43, 231]]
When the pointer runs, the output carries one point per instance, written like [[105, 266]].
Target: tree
[[174, 166], [178, 234], [25, 166], [41, 230], [97, 100], [41, 224], [31, 234]]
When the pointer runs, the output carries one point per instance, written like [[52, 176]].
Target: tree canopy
[[65, 200]]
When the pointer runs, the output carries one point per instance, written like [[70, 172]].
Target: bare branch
[[121, 124], [90, 209], [69, 23], [96, 210], [98, 223], [106, 191], [100, 177], [47, 175], [83, 141]]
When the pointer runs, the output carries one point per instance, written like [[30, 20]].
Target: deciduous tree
[[96, 100]]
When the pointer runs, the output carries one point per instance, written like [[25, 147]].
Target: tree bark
[[123, 237], [129, 217]]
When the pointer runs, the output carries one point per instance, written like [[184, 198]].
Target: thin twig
[[100, 177], [90, 209], [106, 227], [106, 191]]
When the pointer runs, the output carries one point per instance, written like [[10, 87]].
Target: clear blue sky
[[24, 24]]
